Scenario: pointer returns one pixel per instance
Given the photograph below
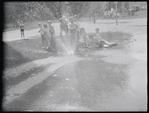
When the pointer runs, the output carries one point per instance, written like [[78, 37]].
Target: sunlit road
[[104, 25], [108, 80]]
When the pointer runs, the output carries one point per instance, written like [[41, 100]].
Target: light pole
[[116, 14]]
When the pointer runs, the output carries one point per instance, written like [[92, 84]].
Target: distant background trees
[[37, 11]]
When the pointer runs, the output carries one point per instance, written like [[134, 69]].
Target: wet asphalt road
[[105, 80]]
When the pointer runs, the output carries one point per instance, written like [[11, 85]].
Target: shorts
[[22, 30]]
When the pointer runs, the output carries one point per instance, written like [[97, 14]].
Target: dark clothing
[[52, 33], [22, 30], [22, 27]]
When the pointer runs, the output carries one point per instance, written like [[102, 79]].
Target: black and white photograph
[[74, 56]]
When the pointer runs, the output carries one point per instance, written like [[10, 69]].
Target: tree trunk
[[94, 16]]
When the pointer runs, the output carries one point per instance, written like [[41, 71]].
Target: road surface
[[104, 25], [105, 80]]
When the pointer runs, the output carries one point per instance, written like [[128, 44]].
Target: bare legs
[[105, 43], [22, 34]]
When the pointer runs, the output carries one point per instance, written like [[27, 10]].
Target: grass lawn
[[23, 51]]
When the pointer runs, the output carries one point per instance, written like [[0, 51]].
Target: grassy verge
[[23, 51]]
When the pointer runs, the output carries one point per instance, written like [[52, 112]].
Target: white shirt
[[72, 26], [41, 30], [98, 36]]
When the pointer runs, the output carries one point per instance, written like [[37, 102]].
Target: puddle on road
[[83, 85], [94, 79], [98, 85]]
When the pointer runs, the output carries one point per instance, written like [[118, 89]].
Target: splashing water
[[64, 46], [67, 44]]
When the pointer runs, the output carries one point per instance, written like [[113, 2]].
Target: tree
[[84, 9], [26, 11], [96, 9], [55, 8], [76, 7]]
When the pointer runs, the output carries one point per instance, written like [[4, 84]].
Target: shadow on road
[[12, 57], [18, 66]]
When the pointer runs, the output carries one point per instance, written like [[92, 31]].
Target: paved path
[[104, 25]]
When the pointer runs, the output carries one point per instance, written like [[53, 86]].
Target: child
[[52, 35], [22, 29], [66, 18], [84, 38], [40, 28], [76, 20], [41, 31], [63, 26], [46, 36], [72, 28], [100, 41]]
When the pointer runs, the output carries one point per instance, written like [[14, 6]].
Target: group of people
[[67, 24], [47, 35], [111, 14], [74, 35], [70, 26], [77, 35], [97, 39]]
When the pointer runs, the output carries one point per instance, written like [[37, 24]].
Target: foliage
[[26, 11], [37, 11]]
